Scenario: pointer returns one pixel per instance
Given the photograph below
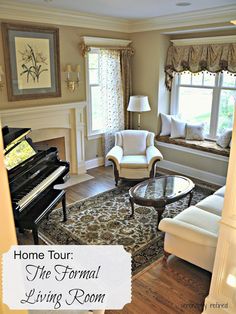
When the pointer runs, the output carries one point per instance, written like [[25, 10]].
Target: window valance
[[213, 58]]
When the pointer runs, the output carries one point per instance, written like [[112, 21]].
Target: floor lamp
[[138, 104]]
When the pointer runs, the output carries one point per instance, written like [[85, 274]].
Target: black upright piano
[[32, 174]]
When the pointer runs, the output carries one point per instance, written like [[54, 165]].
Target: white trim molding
[[43, 14], [222, 289], [94, 163]]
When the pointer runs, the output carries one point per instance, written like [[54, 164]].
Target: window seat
[[206, 145]]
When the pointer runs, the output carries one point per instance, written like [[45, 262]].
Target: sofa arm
[[152, 154], [115, 154], [188, 232]]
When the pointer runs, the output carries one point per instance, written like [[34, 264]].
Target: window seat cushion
[[206, 145]]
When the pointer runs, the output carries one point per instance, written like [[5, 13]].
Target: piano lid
[[11, 136]]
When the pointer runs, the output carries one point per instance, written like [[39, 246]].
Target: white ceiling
[[129, 9]]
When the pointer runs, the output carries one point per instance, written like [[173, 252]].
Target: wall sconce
[[71, 83], [1, 75]]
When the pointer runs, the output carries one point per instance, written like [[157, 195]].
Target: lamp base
[[139, 121]]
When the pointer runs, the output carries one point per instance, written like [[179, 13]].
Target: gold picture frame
[[32, 61]]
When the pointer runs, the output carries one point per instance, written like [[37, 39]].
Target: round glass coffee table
[[160, 191]]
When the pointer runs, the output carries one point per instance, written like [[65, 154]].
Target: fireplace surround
[[52, 122]]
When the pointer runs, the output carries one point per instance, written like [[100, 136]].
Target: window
[[95, 118], [207, 98]]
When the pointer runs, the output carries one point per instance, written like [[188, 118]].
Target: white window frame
[[174, 105]]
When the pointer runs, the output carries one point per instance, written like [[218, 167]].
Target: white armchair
[[134, 155]]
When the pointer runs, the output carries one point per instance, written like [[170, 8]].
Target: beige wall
[[148, 75], [69, 53]]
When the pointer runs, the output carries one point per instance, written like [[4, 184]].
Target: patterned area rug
[[103, 219]]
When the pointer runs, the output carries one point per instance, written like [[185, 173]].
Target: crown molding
[[209, 16], [44, 14], [199, 29]]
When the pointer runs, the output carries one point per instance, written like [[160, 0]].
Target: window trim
[[216, 91]]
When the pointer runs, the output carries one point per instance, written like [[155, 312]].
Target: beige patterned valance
[[213, 58]]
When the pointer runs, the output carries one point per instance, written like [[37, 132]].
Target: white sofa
[[192, 235], [134, 155]]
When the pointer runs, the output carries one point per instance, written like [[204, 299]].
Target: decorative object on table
[[195, 132], [1, 75], [134, 155], [159, 192], [72, 83], [103, 219], [138, 104], [225, 138], [178, 128], [32, 61]]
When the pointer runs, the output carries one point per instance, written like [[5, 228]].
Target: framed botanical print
[[32, 61]]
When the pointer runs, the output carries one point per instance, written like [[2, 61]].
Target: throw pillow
[[195, 132], [177, 128], [165, 124], [224, 138]]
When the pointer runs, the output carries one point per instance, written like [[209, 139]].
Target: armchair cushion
[[134, 161], [134, 142]]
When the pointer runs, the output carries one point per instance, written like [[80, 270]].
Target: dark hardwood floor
[[163, 288]]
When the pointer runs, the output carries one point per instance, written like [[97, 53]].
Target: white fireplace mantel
[[50, 119]]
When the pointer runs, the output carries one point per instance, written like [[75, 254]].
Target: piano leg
[[35, 235], [64, 207]]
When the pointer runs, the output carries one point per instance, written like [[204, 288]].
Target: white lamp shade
[[138, 104]]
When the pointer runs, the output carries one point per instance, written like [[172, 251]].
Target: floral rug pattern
[[103, 219]]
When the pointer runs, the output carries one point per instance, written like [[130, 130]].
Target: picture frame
[[32, 61]]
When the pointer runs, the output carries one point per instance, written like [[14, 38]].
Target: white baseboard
[[192, 172], [93, 163]]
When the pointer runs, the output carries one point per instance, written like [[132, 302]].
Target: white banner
[[66, 277]]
